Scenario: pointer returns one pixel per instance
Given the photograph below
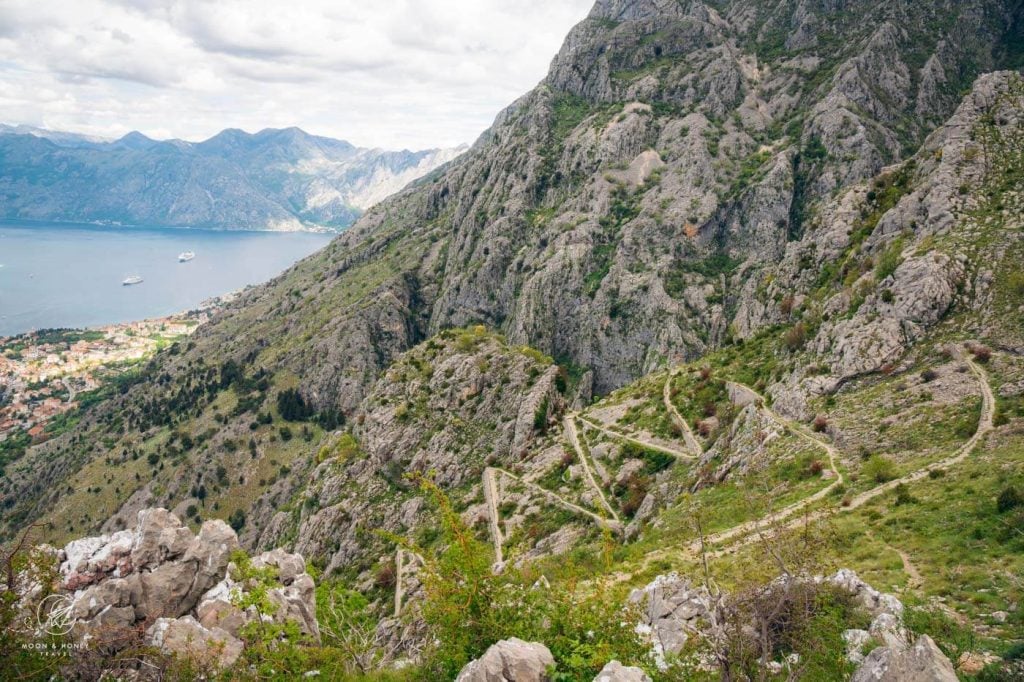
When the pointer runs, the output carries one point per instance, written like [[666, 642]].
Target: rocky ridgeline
[[176, 587], [674, 610]]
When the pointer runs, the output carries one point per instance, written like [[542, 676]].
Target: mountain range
[[734, 293], [272, 180]]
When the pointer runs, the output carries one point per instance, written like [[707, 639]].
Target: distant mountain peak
[[277, 178], [136, 140]]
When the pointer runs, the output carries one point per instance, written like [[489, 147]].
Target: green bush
[[1009, 499], [953, 638], [879, 469], [467, 608], [237, 520]]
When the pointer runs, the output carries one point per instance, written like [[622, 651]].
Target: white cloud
[[388, 73]]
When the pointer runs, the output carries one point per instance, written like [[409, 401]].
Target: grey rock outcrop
[[157, 570], [451, 406], [874, 602], [187, 638], [922, 662], [673, 610], [177, 585], [616, 672], [510, 660], [293, 597]]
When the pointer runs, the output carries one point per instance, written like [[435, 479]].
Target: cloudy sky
[[387, 73]]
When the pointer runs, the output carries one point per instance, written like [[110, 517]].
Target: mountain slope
[[778, 244], [274, 179], [691, 178]]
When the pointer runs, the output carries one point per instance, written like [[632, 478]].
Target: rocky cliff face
[[272, 180]]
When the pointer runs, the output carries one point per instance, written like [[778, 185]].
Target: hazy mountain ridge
[[274, 179]]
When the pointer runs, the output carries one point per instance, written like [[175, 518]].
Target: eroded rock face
[[452, 406], [185, 637], [177, 586], [510, 660], [923, 662], [673, 610], [159, 569]]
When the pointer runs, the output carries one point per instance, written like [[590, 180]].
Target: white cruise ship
[[186, 256]]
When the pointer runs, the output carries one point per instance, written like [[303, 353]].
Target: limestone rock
[[294, 596], [510, 660], [616, 672], [875, 602], [923, 662], [160, 573], [673, 610], [187, 638]]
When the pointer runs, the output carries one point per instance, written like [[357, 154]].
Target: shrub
[[540, 416], [929, 375], [981, 353], [1015, 282], [237, 520], [795, 337], [879, 469], [903, 495], [1008, 499], [466, 608], [386, 577], [889, 260], [820, 423]]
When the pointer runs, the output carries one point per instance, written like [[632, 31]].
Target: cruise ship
[[186, 256], [132, 279]]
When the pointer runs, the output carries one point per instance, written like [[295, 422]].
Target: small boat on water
[[130, 280], [186, 256]]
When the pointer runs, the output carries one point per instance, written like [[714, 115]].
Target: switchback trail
[[574, 440], [985, 424], [557, 499], [786, 512], [491, 499], [692, 444], [642, 442]]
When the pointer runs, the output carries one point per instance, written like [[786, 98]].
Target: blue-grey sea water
[[70, 275]]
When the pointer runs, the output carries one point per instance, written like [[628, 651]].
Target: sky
[[412, 74]]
